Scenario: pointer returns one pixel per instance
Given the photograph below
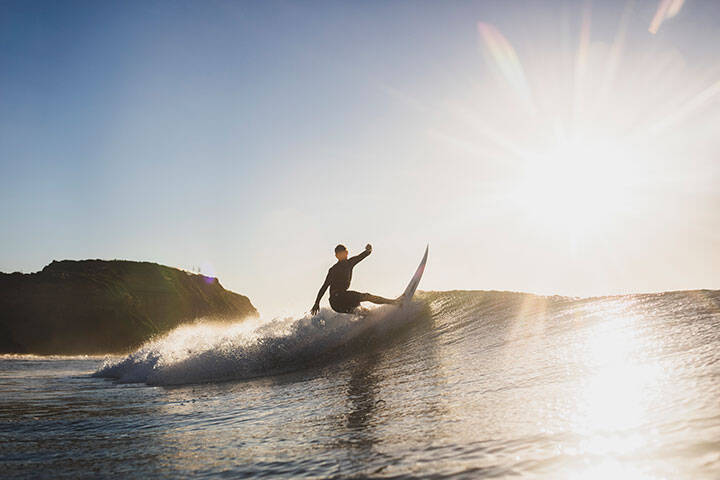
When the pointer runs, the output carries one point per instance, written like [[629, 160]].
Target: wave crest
[[210, 352]]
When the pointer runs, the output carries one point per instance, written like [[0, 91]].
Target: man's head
[[341, 252]]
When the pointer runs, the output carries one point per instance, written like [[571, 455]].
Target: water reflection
[[395, 404], [358, 436], [617, 396], [362, 396]]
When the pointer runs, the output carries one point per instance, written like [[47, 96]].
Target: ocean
[[461, 385]]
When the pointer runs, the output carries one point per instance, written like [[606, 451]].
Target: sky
[[553, 147]]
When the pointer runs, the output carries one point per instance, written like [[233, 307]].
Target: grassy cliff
[[96, 306]]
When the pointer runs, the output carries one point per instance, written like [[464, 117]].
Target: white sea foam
[[206, 351]]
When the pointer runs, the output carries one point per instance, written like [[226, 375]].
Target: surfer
[[338, 279]]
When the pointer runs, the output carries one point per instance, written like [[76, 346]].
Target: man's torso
[[340, 276]]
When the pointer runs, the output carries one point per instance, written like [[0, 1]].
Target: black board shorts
[[347, 301]]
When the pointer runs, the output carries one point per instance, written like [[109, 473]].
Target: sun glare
[[589, 137], [577, 189]]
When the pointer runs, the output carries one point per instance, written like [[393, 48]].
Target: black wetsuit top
[[338, 279]]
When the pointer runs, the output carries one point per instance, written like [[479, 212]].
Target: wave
[[210, 352]]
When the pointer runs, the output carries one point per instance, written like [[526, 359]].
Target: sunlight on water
[[486, 385], [611, 469], [614, 402], [611, 398]]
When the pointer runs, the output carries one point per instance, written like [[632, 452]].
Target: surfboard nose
[[415, 280]]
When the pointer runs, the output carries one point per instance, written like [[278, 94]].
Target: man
[[338, 279]]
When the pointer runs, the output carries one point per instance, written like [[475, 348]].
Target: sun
[[577, 189]]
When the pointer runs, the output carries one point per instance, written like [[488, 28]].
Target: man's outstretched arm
[[357, 258], [316, 308]]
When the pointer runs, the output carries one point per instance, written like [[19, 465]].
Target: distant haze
[[552, 147]]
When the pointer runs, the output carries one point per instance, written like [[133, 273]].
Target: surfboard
[[415, 281]]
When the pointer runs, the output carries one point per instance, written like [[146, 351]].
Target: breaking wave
[[210, 352]]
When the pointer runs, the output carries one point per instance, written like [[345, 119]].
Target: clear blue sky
[[251, 137]]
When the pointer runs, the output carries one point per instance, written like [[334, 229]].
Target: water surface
[[467, 384]]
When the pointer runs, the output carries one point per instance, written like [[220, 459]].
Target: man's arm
[[358, 258], [316, 308]]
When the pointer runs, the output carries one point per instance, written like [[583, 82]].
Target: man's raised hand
[[368, 248]]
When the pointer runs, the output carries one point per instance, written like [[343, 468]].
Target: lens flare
[[505, 59], [666, 9]]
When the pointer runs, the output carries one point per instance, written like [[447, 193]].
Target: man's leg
[[367, 297]]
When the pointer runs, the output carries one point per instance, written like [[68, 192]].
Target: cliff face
[[96, 306]]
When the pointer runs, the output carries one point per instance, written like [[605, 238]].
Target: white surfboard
[[415, 281]]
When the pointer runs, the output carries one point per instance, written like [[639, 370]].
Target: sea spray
[[209, 352]]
